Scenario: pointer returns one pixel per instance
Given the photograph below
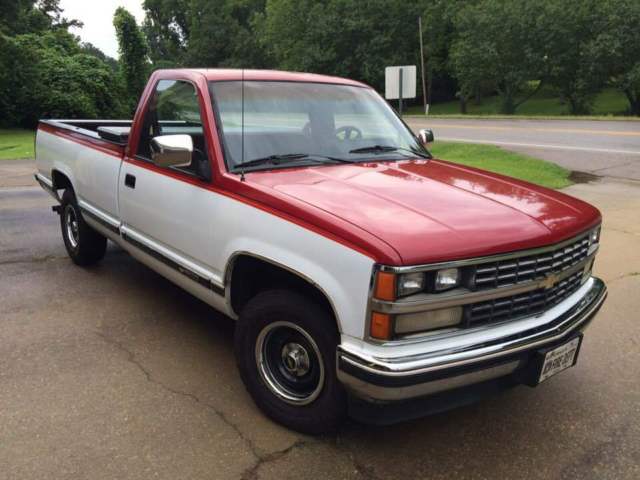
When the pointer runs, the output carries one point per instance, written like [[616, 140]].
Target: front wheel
[[285, 347], [84, 245]]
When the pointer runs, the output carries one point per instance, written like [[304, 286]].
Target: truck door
[[169, 213]]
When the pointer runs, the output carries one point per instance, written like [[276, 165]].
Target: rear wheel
[[84, 245], [285, 346]]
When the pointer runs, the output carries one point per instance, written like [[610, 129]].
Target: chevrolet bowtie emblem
[[549, 281]]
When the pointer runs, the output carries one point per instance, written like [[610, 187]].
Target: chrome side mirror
[[172, 150], [425, 137]]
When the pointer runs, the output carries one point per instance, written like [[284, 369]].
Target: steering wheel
[[349, 133]]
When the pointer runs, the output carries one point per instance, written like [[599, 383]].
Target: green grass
[[19, 144], [546, 103], [16, 144], [502, 161]]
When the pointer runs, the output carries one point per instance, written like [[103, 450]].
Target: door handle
[[130, 181]]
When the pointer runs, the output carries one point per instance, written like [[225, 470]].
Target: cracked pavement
[[113, 372]]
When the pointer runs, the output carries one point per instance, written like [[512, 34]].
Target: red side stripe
[[95, 143]]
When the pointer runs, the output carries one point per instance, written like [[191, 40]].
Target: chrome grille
[[524, 304], [529, 267]]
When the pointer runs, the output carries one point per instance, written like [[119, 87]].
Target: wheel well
[[60, 180], [251, 275]]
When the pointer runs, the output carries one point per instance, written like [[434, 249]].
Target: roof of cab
[[221, 74]]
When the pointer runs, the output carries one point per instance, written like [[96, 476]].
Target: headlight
[[423, 321], [446, 279], [410, 283]]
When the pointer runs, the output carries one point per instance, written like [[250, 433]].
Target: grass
[[608, 103], [19, 144], [16, 144], [502, 161]]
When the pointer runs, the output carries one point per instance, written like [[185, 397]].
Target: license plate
[[559, 359]]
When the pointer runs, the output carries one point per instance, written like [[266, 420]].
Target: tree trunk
[[524, 99], [463, 104], [508, 106], [477, 97], [578, 105], [634, 102]]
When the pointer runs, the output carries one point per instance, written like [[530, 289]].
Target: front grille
[[529, 267], [523, 304]]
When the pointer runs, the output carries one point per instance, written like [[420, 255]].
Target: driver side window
[[173, 109]]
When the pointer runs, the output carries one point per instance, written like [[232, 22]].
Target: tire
[[270, 330], [84, 245]]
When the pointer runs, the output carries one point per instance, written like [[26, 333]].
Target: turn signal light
[[385, 286], [380, 326]]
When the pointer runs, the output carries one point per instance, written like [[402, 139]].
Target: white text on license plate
[[559, 359]]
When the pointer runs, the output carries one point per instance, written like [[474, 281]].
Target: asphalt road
[[113, 372], [605, 148]]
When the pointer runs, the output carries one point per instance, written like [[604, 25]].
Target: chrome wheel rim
[[71, 226], [290, 363]]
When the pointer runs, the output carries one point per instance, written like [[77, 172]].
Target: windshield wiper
[[385, 149], [289, 157], [273, 159]]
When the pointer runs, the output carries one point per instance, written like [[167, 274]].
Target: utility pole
[[424, 84]]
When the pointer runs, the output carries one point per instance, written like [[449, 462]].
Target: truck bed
[[113, 131]]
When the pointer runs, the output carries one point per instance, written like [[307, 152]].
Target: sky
[[97, 16]]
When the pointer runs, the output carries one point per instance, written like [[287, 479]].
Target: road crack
[[252, 473], [623, 276], [365, 471], [260, 458]]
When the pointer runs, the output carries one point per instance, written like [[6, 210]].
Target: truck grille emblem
[[549, 281]]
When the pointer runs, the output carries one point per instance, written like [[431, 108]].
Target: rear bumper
[[479, 358]]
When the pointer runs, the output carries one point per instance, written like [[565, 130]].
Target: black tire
[[288, 317], [84, 245]]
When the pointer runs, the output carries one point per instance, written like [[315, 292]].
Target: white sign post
[[400, 83]]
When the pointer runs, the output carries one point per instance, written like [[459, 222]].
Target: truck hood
[[431, 211]]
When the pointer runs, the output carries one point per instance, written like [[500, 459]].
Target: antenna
[[242, 127]]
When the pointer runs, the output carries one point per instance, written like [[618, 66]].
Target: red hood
[[430, 211]]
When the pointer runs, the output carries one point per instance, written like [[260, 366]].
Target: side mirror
[[172, 150], [425, 137]]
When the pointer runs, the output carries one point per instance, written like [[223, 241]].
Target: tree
[[48, 75], [342, 37], [133, 55], [568, 28], [29, 16], [201, 33], [166, 28], [617, 49], [220, 34], [90, 49], [497, 46], [439, 32]]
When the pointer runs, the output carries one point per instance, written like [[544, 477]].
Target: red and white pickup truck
[[365, 276]]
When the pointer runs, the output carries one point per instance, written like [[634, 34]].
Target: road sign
[[400, 82], [392, 82]]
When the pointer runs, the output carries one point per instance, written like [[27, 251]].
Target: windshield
[[307, 123]]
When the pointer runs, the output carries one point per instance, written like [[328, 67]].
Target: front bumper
[[467, 358]]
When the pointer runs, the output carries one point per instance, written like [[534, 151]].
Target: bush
[[47, 75]]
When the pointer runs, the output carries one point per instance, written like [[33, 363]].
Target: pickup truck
[[366, 277]]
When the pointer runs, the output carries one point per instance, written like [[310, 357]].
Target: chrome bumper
[[466, 358]]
